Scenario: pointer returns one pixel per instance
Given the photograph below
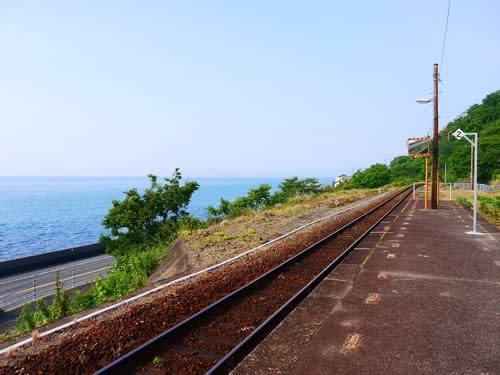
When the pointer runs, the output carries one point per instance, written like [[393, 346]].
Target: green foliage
[[129, 273], [83, 301], [141, 225], [464, 202], [405, 170], [261, 197], [247, 235], [375, 176], [25, 320], [483, 119], [158, 362], [59, 306], [489, 206], [218, 237], [42, 314], [29, 319], [293, 187], [190, 223], [256, 199], [143, 220], [494, 201]]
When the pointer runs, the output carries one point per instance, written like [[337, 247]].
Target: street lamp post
[[459, 134], [435, 133], [435, 141]]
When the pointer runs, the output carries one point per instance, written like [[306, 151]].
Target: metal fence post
[[34, 290]]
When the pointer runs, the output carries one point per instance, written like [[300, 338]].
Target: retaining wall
[[52, 258]]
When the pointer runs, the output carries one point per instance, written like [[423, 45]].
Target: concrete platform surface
[[418, 296]]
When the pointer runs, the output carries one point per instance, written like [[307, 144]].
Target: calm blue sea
[[39, 214]]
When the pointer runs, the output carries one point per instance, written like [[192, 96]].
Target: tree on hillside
[[483, 119], [293, 187], [255, 200], [143, 220], [375, 176], [405, 168]]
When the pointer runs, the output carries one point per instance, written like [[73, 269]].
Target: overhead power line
[[444, 38]]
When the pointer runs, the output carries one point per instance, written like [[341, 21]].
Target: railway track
[[216, 338]]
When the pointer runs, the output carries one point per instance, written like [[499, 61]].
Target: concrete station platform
[[418, 296]]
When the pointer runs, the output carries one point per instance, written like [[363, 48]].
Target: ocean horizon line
[[145, 176]]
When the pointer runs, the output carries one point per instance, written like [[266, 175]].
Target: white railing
[[480, 187], [449, 187]]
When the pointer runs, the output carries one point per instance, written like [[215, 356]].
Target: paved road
[[21, 288]]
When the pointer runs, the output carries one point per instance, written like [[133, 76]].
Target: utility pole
[[435, 141]]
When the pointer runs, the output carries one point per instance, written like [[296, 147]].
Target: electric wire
[[445, 34]]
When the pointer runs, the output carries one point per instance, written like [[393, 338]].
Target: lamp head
[[423, 100]]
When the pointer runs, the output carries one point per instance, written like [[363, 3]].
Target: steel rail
[[136, 357], [231, 359]]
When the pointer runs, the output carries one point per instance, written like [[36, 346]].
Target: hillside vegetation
[[483, 119]]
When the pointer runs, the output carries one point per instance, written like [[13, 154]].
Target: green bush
[[42, 314], [60, 304], [25, 320], [260, 198], [489, 205], [141, 221], [375, 176], [141, 226], [129, 273], [464, 202]]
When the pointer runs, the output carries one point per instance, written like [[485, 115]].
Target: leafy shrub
[[376, 175], [464, 202], [60, 304], [260, 198], [294, 186], [25, 320], [129, 273], [42, 314], [489, 205], [126, 275], [141, 221], [495, 202], [29, 319]]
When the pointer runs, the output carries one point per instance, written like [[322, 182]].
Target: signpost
[[459, 134]]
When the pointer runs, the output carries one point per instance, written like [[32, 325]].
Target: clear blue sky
[[232, 88]]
